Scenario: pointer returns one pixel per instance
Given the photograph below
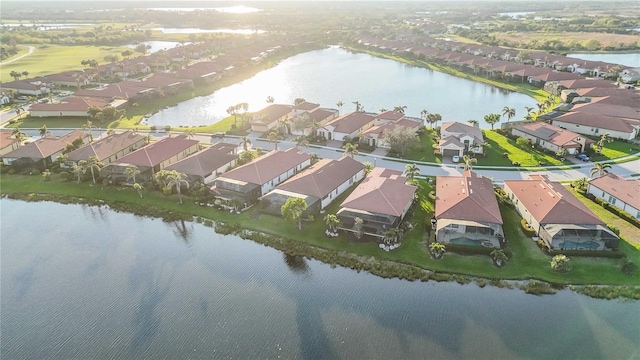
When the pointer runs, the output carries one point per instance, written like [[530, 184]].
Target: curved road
[[31, 49]]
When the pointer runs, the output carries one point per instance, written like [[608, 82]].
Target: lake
[[331, 75], [88, 282], [627, 59], [158, 45]]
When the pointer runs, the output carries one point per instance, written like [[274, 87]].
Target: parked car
[[218, 135], [582, 157], [456, 158]]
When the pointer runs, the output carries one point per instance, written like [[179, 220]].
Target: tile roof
[[6, 138], [268, 167], [46, 146], [582, 83], [205, 162], [464, 129], [306, 106], [71, 104], [551, 203], [625, 190], [321, 114], [383, 191], [350, 122], [550, 133], [468, 197], [323, 177], [274, 112], [157, 152], [104, 148], [599, 121]]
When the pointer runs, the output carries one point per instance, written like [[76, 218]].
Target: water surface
[[88, 282], [627, 59]]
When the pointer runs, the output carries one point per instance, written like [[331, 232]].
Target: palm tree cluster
[[170, 179]]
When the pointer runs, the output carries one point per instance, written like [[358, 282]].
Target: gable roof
[[468, 197], [582, 83], [463, 129], [46, 146], [551, 203], [321, 114], [599, 121], [323, 177], [273, 112], [265, 168], [625, 190], [205, 162], [550, 133], [106, 147], [71, 104], [350, 122], [383, 191], [6, 138], [155, 153], [307, 106]]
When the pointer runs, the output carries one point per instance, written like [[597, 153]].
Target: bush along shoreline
[[377, 267]]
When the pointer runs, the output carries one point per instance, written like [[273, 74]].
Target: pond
[[208, 31], [627, 59], [331, 75], [89, 282], [153, 46]]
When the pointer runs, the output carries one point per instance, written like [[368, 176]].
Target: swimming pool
[[470, 242], [573, 245]]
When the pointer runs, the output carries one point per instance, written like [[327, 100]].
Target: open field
[[52, 59], [604, 38]]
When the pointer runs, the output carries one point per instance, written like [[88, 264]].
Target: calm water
[[627, 59], [208, 31], [87, 282], [332, 75], [158, 45]]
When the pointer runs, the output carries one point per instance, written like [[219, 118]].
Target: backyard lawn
[[500, 144]]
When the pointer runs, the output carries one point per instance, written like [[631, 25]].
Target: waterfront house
[[154, 157], [558, 218], [318, 185], [595, 119], [206, 165], [617, 191], [347, 126], [250, 181], [381, 200], [552, 138], [269, 117], [8, 142], [631, 75], [29, 87], [71, 79], [457, 138], [42, 152], [375, 135], [68, 107], [108, 149], [467, 212]]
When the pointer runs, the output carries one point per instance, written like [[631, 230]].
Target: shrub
[[560, 263], [628, 267], [505, 155], [167, 128], [515, 163], [64, 176], [614, 228]]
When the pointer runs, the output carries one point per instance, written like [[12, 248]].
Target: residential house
[[108, 149], [318, 185], [382, 200], [29, 87], [347, 126], [71, 79], [467, 211], [552, 138], [269, 117], [617, 191], [619, 122], [203, 72], [251, 181], [206, 165], [559, 219], [630, 76], [68, 107], [42, 152], [457, 138], [8, 143], [152, 158], [375, 135]]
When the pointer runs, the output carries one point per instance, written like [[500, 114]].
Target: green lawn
[[615, 149], [527, 261], [424, 150], [53, 59], [500, 144]]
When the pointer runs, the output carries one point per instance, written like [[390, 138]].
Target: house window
[[596, 131], [638, 215], [612, 200]]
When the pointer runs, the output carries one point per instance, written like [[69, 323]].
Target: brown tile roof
[[111, 91], [582, 83], [274, 112], [268, 167], [155, 153], [553, 134], [625, 190], [206, 161], [306, 106], [321, 114], [106, 147], [323, 177], [551, 203], [6, 138], [556, 76], [607, 109], [607, 91], [390, 115], [599, 121], [71, 104], [46, 146], [350, 122], [464, 129], [383, 191], [468, 197]]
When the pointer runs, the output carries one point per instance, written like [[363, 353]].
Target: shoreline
[[376, 266]]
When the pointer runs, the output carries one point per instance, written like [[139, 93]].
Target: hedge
[[588, 253], [613, 209], [474, 250]]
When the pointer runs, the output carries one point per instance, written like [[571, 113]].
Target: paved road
[[498, 174], [31, 49]]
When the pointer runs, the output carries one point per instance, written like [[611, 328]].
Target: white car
[[456, 158]]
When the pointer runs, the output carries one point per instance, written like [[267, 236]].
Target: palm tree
[[437, 249], [492, 119], [19, 135], [508, 112], [332, 221], [315, 125], [529, 109], [604, 138], [270, 99], [339, 105], [246, 143], [599, 169], [93, 165], [358, 227], [43, 131], [78, 169], [131, 172], [89, 126], [433, 118], [301, 141], [423, 114], [274, 138], [358, 105], [499, 257], [467, 162], [138, 188], [581, 183], [400, 109], [233, 110], [473, 122], [368, 166], [392, 236], [190, 133], [411, 171], [177, 179], [351, 149]]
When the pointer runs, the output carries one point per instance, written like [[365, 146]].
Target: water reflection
[[296, 263]]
